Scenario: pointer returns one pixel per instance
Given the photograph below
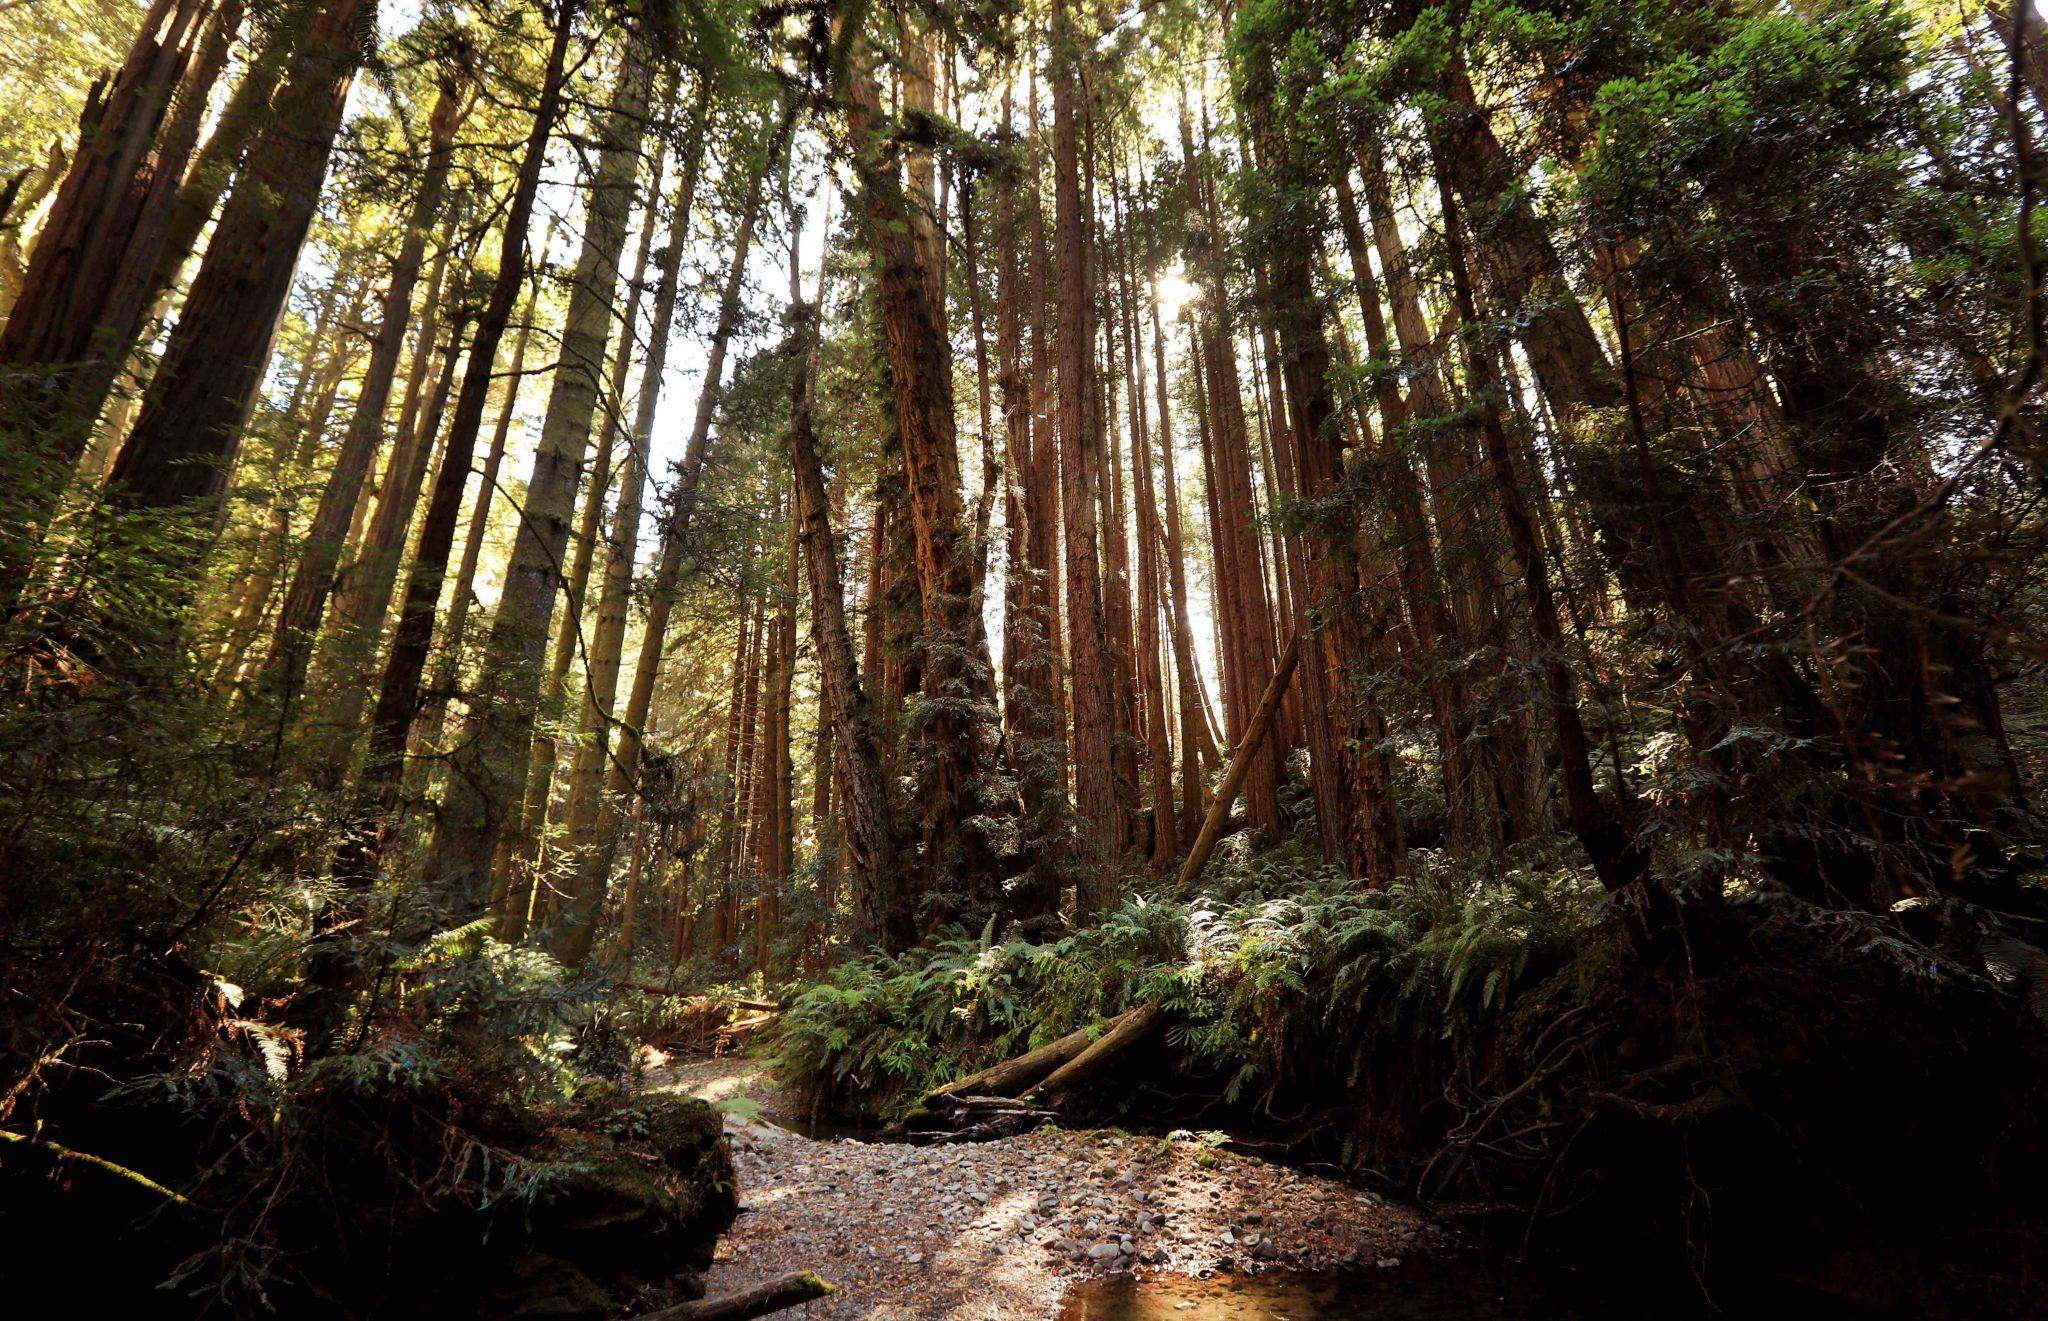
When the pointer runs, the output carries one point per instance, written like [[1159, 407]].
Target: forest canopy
[[1469, 572]]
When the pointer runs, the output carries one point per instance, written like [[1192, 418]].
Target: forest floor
[[999, 1230]]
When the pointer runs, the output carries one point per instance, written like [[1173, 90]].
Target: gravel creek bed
[[999, 1230]]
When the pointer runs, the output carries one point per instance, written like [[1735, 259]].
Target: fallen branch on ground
[[774, 1296], [103, 1164]]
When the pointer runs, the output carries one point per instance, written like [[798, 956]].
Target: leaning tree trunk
[[589, 855], [182, 449], [313, 577], [398, 698], [81, 299], [881, 906], [486, 781], [663, 593]]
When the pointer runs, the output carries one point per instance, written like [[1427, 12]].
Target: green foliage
[[1280, 960]]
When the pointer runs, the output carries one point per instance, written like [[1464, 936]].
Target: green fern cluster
[[1279, 961]]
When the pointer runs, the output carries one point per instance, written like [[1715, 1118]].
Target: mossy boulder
[[643, 1193]]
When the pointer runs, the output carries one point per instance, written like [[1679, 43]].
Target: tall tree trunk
[[1241, 586], [1352, 770], [588, 852], [958, 856], [519, 842], [247, 112], [1042, 482], [775, 843], [1032, 697], [295, 440], [198, 400], [339, 960], [1617, 859], [662, 593], [82, 296], [882, 908], [462, 596], [1094, 791], [1193, 722], [313, 575], [486, 781], [398, 699], [1474, 800], [363, 591], [1151, 679]]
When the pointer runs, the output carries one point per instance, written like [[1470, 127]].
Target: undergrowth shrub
[[1278, 960]]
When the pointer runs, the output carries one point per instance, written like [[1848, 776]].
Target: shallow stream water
[[1471, 1286], [1464, 1289]]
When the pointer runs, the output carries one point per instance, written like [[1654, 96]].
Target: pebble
[[1079, 1203]]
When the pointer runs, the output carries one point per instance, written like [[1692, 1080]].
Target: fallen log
[[984, 1110], [1124, 1033], [1012, 1077], [790, 1290]]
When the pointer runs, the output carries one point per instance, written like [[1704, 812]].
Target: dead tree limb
[[788, 1291], [1240, 765]]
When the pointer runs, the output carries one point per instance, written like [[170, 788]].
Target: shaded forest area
[[1453, 590]]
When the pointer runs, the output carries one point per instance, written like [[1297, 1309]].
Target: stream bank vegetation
[[1451, 590]]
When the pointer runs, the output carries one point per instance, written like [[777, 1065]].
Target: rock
[[1315, 1222], [544, 1288], [1105, 1251], [1388, 1263], [1266, 1250]]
